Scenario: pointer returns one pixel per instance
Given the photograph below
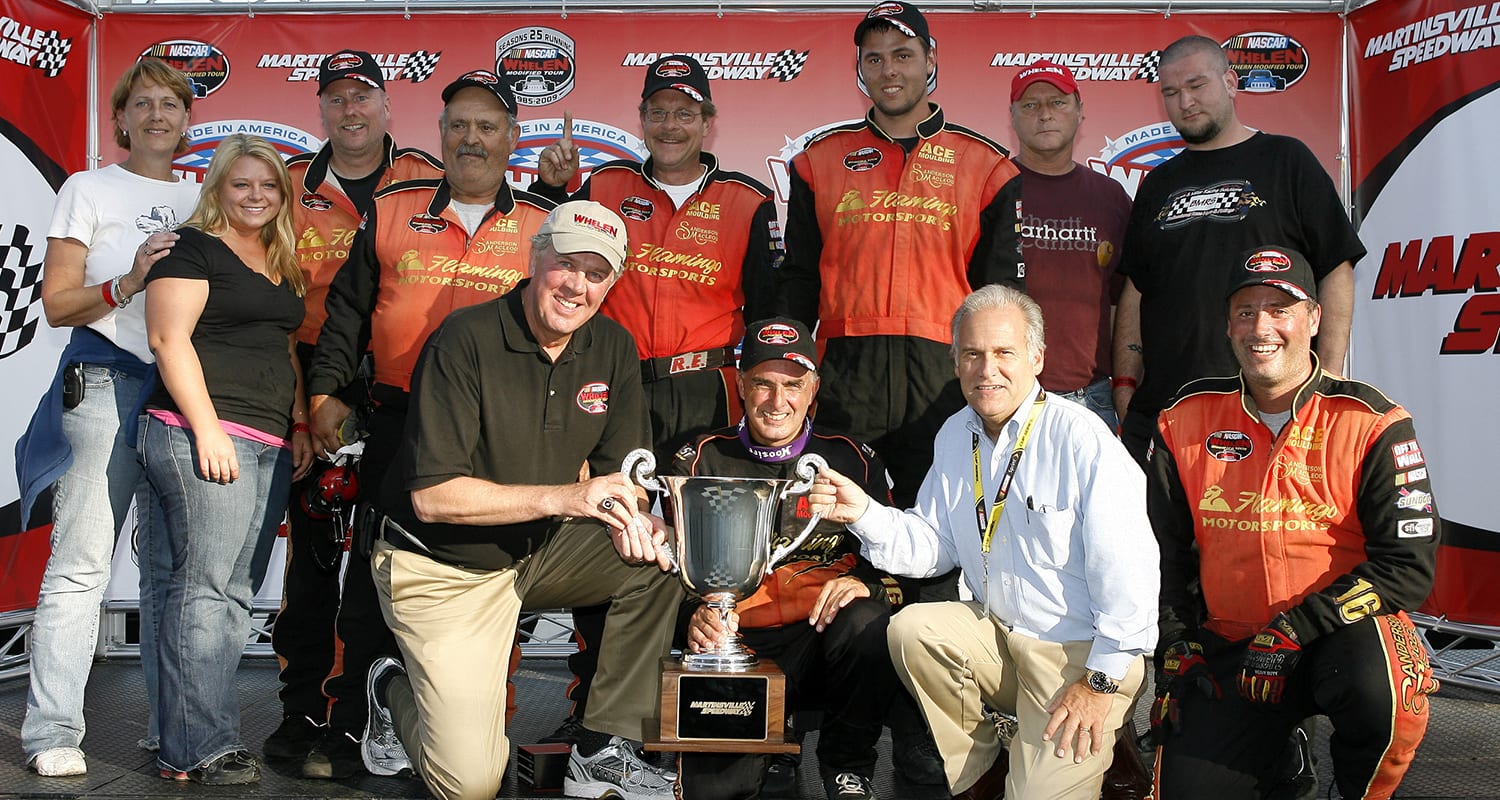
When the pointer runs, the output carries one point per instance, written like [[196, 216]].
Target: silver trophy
[[721, 542]]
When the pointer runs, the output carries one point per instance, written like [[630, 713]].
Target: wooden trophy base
[[723, 712]]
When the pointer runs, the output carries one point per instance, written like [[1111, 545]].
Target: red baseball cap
[[1043, 70]]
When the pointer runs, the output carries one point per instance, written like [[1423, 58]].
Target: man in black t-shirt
[[1232, 188], [483, 515], [822, 612]]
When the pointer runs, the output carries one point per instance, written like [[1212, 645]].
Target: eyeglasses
[[657, 116], [1056, 105]]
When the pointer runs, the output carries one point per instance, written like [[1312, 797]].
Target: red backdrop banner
[[775, 77], [1427, 319], [44, 121]]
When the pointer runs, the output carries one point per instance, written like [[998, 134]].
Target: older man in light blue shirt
[[1040, 505]]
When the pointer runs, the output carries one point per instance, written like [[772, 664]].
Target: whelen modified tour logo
[[416, 66], [33, 47], [206, 66], [1266, 62], [541, 64], [781, 65]]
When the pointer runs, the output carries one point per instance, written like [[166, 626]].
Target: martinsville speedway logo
[[1446, 265], [783, 66], [33, 47], [1450, 32], [1089, 66], [416, 66]]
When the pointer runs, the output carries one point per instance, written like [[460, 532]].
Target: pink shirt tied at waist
[[232, 428]]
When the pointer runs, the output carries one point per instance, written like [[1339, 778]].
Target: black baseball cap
[[904, 17], [682, 73], [353, 64], [778, 337], [1277, 266], [484, 79]]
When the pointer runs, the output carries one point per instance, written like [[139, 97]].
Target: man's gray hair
[[996, 296], [1193, 45]]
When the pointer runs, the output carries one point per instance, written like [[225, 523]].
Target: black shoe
[[781, 776], [848, 786], [336, 756], [916, 758], [293, 738], [227, 770], [566, 733]]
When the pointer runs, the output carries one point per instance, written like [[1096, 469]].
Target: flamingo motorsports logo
[[541, 64]]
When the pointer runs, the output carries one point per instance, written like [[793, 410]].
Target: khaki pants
[[455, 627], [955, 659]]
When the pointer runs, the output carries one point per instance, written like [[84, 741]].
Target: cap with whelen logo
[[352, 64], [483, 79], [584, 226], [1275, 266], [904, 17], [1043, 70], [682, 73], [778, 337]]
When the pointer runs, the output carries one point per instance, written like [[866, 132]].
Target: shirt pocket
[[1049, 542]]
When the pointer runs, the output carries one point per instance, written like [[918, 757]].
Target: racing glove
[[1269, 660], [1182, 667]]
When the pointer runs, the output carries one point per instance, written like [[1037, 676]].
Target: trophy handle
[[640, 469], [806, 470]]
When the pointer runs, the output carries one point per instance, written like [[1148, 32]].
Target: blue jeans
[[90, 502], [211, 552], [1098, 398]]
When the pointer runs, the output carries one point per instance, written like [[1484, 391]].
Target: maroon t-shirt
[[1072, 227]]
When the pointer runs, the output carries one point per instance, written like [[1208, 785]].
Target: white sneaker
[[59, 762], [381, 750], [616, 771]]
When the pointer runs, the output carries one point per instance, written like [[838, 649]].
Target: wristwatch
[[1101, 683]]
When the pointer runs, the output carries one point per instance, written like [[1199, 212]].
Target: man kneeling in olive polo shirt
[[485, 516]]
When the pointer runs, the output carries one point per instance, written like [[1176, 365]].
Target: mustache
[[472, 150]]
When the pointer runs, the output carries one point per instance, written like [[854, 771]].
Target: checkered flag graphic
[[20, 291], [52, 54], [420, 65], [1150, 70], [788, 64]]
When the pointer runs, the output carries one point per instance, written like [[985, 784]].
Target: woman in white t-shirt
[[110, 225]]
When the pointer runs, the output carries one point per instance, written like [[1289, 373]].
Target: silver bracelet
[[121, 300]]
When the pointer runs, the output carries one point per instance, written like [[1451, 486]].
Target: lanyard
[[988, 523]]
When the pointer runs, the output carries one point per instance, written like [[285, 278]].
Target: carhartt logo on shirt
[[593, 398]]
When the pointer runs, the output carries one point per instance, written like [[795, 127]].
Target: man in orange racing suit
[[331, 190], [428, 247], [1297, 526]]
